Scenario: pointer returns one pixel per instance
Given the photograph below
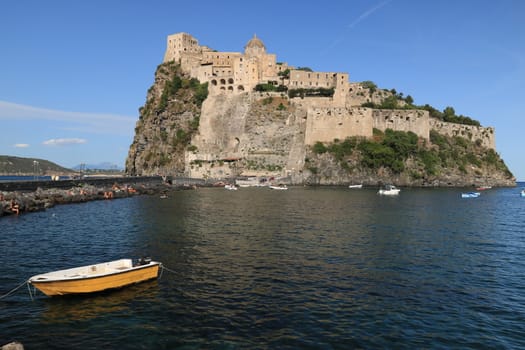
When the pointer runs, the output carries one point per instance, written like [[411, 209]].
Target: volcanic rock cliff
[[185, 131]]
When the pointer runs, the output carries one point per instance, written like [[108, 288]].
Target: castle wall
[[327, 124], [221, 59], [178, 43], [326, 118], [413, 120], [312, 80], [470, 132]]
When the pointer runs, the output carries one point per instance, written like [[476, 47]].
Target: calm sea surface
[[307, 268]]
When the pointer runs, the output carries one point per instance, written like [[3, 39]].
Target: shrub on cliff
[[392, 150]]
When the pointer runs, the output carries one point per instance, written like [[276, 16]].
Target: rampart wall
[[486, 136], [416, 121], [327, 124]]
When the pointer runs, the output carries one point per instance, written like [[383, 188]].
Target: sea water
[[306, 268]]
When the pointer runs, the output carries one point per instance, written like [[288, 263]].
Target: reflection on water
[[73, 308], [305, 268]]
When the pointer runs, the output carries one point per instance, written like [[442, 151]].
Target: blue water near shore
[[307, 268]]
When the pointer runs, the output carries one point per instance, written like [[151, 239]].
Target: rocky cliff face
[[184, 132], [166, 123]]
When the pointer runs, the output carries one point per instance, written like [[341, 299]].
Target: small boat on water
[[389, 190], [522, 193], [483, 188], [230, 187], [96, 278], [356, 186], [470, 195], [278, 187]]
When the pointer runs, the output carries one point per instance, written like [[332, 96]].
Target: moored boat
[[95, 278], [389, 190], [356, 186], [278, 187], [522, 193], [470, 195]]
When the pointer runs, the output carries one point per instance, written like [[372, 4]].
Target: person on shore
[[15, 208]]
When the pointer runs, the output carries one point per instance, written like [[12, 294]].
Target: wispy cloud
[[356, 21], [21, 145], [63, 142], [367, 13], [86, 122]]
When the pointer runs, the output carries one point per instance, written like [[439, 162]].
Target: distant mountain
[[10, 165], [99, 166]]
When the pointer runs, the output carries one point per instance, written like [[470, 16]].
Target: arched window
[[223, 82], [230, 81], [240, 88], [214, 82]]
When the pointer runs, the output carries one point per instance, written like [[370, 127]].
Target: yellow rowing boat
[[96, 278]]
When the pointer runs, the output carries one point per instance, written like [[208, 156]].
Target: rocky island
[[215, 115]]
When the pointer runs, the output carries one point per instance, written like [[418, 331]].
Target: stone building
[[235, 72], [327, 118]]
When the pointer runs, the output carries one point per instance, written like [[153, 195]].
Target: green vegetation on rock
[[394, 149], [397, 101]]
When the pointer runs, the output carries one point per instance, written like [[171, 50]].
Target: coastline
[[18, 202]]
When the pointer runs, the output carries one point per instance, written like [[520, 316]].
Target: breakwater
[[18, 197]]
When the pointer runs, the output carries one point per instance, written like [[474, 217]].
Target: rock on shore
[[18, 202]]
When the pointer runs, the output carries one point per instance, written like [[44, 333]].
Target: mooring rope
[[162, 268], [15, 289], [167, 269]]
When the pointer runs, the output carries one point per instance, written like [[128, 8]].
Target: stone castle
[[337, 117], [231, 75]]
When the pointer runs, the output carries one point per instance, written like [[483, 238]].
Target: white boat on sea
[[470, 195], [251, 182], [230, 187], [389, 190], [278, 187], [356, 186]]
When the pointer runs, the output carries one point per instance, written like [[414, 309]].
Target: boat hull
[[83, 285], [470, 195]]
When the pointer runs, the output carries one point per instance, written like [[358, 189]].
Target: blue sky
[[74, 73]]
